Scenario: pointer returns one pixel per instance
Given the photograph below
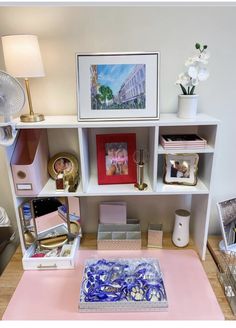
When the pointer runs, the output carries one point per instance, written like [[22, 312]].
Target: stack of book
[[182, 141]]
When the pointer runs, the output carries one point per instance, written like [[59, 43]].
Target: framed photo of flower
[[181, 169], [115, 158], [117, 86]]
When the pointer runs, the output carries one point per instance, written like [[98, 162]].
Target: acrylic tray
[[227, 278], [119, 236], [126, 285]]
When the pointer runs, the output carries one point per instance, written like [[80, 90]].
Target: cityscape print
[[118, 86]]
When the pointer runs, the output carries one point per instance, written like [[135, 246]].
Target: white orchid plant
[[196, 70]]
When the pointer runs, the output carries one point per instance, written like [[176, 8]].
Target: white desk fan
[[12, 100]]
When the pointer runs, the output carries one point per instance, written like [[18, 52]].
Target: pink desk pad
[[54, 295]]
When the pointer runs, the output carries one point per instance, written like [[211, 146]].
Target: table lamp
[[23, 59]]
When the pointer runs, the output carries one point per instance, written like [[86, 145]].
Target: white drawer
[[49, 263]]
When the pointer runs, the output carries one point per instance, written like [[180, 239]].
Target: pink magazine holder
[[29, 162]]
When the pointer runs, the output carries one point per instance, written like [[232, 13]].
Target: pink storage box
[[113, 213], [29, 162]]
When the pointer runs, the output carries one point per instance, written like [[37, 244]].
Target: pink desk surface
[[46, 295]]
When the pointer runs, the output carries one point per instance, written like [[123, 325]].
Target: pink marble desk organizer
[[29, 162], [119, 237]]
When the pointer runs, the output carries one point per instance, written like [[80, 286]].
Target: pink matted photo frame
[[115, 158]]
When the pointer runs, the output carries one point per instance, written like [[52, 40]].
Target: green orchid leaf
[[192, 90], [183, 89]]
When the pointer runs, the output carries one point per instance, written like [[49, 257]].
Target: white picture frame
[[117, 86], [181, 169]]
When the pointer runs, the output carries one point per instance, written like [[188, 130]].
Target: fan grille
[[12, 96]]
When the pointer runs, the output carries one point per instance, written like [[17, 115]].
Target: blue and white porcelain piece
[[128, 281]]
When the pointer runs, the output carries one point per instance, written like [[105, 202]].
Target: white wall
[[173, 31]]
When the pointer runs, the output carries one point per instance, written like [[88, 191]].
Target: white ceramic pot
[[187, 106], [180, 236]]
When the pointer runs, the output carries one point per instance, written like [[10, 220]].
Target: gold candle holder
[[140, 157]]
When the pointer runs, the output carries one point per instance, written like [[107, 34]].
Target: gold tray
[[54, 242]]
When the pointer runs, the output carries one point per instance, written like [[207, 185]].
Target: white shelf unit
[[159, 201]]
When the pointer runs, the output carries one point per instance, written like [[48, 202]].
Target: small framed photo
[[227, 215], [118, 86], [115, 158], [181, 169], [63, 163]]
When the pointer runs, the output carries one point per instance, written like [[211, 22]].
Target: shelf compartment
[[207, 132], [145, 137], [167, 189], [50, 190], [116, 189], [203, 174]]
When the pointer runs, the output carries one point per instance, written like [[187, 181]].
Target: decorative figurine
[[73, 182], [60, 182]]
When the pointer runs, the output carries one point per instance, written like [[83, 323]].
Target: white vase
[[180, 236], [187, 106]]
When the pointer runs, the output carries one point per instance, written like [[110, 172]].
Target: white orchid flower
[[196, 70], [193, 72], [192, 60], [183, 79], [198, 58], [195, 82], [203, 74], [203, 58]]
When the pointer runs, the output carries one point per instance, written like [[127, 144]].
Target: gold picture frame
[[63, 162], [181, 169]]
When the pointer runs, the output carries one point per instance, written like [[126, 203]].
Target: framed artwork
[[181, 169], [63, 162], [115, 158], [227, 215], [118, 86]]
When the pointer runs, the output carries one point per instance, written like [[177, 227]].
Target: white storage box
[[49, 263]]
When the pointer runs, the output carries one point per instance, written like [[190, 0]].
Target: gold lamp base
[[32, 117]]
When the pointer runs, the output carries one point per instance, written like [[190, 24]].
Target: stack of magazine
[[182, 141]]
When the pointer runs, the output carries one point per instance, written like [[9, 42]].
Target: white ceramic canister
[[187, 106], [180, 236]]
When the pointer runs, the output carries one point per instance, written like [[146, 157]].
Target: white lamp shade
[[22, 56]]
